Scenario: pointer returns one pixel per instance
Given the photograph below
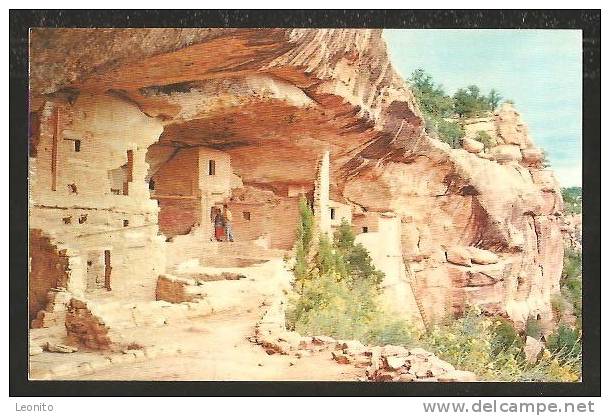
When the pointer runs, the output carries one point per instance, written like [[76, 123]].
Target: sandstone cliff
[[275, 99]]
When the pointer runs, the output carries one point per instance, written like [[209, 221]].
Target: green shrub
[[327, 306], [505, 336], [533, 328], [344, 236], [305, 229], [559, 305], [493, 98], [326, 259], [338, 295], [360, 266], [468, 102], [572, 199], [447, 131], [565, 343], [484, 137], [487, 347], [388, 330], [301, 268], [469, 343], [432, 98], [572, 264], [353, 260], [450, 132], [306, 224], [571, 280], [437, 106]]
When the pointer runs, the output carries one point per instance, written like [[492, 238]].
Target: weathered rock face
[[501, 200], [274, 100], [571, 229]]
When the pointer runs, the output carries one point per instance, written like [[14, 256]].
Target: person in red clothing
[[219, 225]]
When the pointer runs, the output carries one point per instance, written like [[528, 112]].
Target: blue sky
[[540, 70]]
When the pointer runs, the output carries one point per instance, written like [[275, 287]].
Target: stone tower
[[321, 199]]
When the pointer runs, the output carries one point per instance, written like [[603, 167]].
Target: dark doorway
[[107, 269]]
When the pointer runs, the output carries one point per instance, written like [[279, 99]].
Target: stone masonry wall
[[84, 144]]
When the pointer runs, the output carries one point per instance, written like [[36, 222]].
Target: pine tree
[[494, 99]]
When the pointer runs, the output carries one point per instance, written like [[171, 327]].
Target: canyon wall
[[476, 227]]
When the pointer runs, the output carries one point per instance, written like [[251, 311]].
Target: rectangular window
[[77, 145], [125, 223], [365, 229], [332, 213], [246, 215], [212, 167]]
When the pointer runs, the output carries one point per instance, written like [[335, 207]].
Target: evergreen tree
[[303, 242], [494, 99], [432, 98], [469, 102], [344, 236]]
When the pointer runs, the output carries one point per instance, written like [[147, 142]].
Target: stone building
[[90, 207]]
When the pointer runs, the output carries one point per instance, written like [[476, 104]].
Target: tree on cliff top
[[494, 98], [431, 97], [469, 102], [436, 106]]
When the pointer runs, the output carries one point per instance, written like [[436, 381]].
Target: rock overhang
[[275, 99], [265, 96]]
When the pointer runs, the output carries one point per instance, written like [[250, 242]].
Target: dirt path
[[218, 347]]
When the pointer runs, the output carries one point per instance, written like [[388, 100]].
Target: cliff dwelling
[[137, 142]]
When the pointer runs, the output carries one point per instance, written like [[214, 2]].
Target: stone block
[[394, 362], [481, 256], [472, 146], [459, 255]]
